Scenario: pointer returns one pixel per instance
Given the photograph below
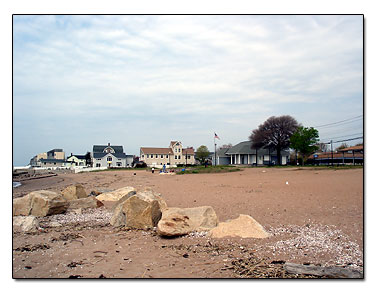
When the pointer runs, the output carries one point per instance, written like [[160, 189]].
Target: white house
[[110, 156]]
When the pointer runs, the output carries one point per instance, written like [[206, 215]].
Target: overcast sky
[[146, 80]]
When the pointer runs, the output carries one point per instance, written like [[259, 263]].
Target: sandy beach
[[313, 216]]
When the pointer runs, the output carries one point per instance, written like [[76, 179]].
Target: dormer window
[[108, 150], [109, 158]]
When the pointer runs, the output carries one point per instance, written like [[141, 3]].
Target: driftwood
[[329, 272]]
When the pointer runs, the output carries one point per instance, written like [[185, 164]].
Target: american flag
[[216, 136]]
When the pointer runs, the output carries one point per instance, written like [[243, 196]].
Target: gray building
[[242, 153], [110, 156], [51, 163]]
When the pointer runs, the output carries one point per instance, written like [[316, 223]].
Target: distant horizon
[[144, 80]]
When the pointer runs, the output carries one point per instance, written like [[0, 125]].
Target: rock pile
[[44, 202], [140, 210]]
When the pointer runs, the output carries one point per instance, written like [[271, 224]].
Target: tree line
[[278, 134]]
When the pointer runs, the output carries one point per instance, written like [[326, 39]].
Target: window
[[175, 157], [54, 163], [143, 156], [119, 159], [147, 155], [108, 150], [179, 150], [156, 155], [161, 156], [98, 158], [166, 156], [179, 156], [109, 158], [151, 156], [98, 165], [45, 163], [119, 164], [188, 156]]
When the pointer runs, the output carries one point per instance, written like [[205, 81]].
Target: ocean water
[[16, 184]]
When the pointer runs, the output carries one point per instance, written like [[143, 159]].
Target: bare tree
[[342, 146], [322, 147], [274, 133]]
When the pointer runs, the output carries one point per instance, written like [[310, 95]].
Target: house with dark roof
[[242, 153], [172, 156], [110, 156], [78, 160]]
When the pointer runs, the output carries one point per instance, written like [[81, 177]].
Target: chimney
[[108, 144], [71, 154]]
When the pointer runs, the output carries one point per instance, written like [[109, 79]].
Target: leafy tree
[[202, 153], [274, 133], [304, 140]]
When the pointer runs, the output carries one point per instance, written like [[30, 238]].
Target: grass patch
[[210, 169]]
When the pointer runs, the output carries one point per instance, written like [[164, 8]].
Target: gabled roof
[[77, 156], [172, 143], [101, 148], [222, 152], [245, 148], [189, 151]]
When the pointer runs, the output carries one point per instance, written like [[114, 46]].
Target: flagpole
[[215, 148]]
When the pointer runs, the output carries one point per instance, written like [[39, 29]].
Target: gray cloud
[[150, 79]]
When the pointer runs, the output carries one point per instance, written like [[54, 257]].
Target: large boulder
[[74, 192], [150, 195], [40, 203], [116, 195], [88, 202], [140, 211], [22, 205], [181, 221], [244, 227], [25, 224]]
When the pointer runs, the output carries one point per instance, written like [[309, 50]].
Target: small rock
[[55, 224], [25, 223]]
